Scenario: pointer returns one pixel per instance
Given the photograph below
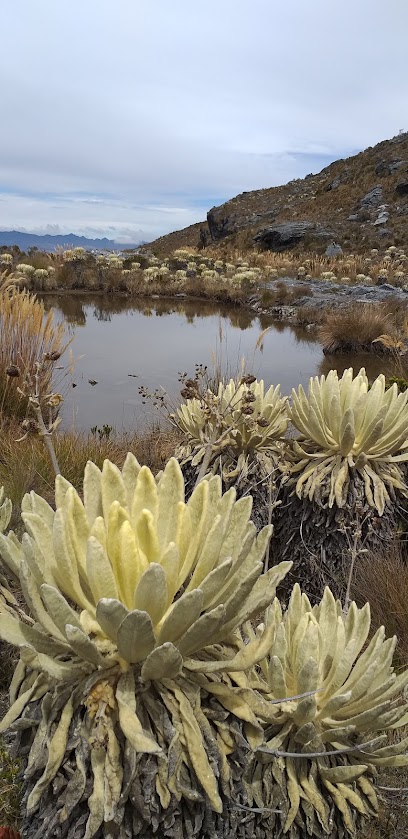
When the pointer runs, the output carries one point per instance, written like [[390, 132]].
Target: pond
[[120, 344]]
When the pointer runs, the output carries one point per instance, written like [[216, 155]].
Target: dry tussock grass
[[283, 295], [25, 465], [356, 327], [383, 581], [26, 334]]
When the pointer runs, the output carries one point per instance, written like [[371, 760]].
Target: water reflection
[[69, 306], [122, 343], [75, 308], [373, 364]]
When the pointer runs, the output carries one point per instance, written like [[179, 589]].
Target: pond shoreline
[[289, 305]]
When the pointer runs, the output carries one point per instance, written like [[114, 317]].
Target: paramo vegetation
[[215, 272], [191, 662], [143, 667]]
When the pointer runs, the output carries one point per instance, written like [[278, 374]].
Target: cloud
[[143, 115], [118, 220]]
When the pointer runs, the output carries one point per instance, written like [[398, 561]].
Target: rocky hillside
[[360, 202]]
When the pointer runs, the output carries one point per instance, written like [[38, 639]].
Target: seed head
[[55, 400], [29, 426]]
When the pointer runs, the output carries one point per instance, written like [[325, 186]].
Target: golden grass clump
[[25, 465], [27, 333], [357, 327], [382, 579]]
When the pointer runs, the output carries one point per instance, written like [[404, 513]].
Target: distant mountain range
[[50, 243]]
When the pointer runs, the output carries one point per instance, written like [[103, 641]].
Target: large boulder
[[226, 220], [288, 234], [219, 226]]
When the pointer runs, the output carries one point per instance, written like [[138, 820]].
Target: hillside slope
[[360, 202]]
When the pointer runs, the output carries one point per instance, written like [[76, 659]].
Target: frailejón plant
[[5, 510], [130, 595], [324, 748], [239, 421], [348, 429]]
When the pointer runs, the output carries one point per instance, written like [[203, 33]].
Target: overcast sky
[[131, 118]]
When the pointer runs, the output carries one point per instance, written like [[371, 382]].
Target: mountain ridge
[[360, 202], [48, 242]]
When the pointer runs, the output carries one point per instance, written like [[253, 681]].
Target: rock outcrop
[[385, 168], [373, 197], [282, 237]]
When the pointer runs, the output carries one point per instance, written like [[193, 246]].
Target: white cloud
[[118, 220], [144, 107]]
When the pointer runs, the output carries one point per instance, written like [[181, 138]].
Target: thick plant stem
[[47, 437], [205, 463], [355, 549], [270, 510], [36, 406], [207, 456]]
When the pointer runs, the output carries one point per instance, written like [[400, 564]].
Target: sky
[[132, 118]]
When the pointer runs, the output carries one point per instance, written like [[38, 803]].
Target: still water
[[122, 344]]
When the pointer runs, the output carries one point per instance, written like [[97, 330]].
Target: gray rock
[[333, 184], [353, 217], [372, 198], [219, 227], [223, 222], [326, 293], [286, 235], [382, 218], [334, 250], [388, 167]]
